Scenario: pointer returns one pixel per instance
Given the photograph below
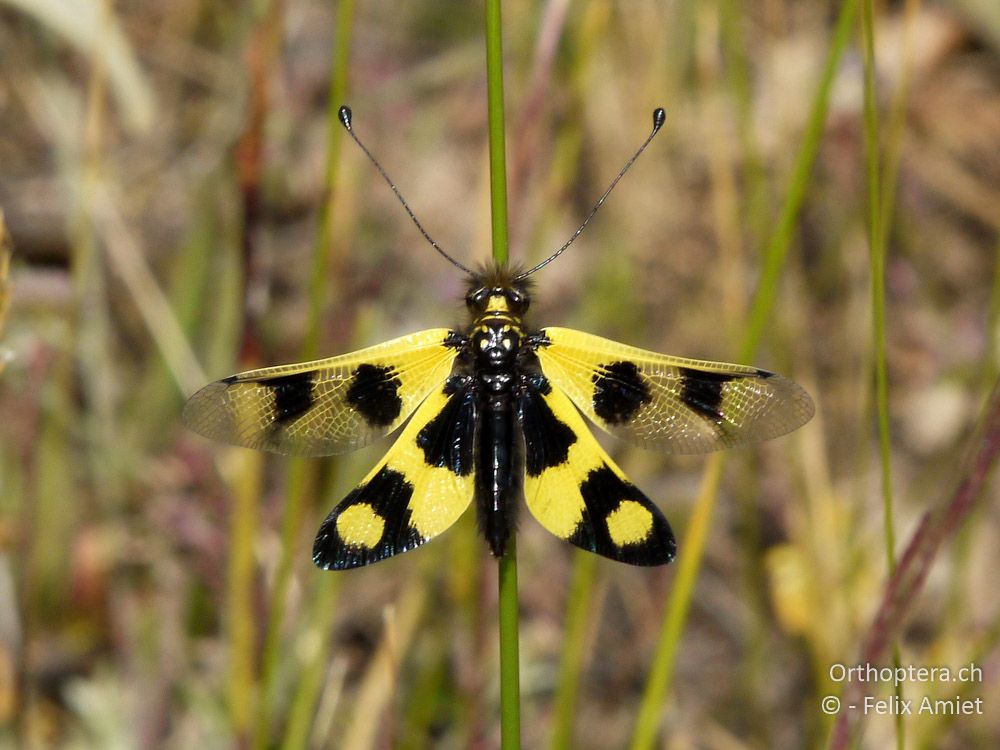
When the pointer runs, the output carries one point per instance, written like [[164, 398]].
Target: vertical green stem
[[510, 679], [510, 689], [498, 157]]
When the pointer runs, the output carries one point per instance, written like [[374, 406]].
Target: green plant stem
[[692, 547], [510, 678], [498, 157], [510, 688]]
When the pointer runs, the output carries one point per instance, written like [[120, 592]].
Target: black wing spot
[[603, 491], [619, 392], [293, 395], [447, 439], [702, 391], [389, 494], [374, 393], [547, 438]]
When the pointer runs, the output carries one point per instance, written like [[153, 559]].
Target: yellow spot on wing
[[360, 525], [629, 523]]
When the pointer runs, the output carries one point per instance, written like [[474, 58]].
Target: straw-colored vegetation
[[180, 206]]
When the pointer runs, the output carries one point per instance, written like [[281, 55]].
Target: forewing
[[328, 406], [577, 492], [670, 403], [420, 488]]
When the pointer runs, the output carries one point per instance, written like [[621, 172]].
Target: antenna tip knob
[[344, 113], [659, 117]]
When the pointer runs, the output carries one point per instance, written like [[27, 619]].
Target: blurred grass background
[[180, 206]]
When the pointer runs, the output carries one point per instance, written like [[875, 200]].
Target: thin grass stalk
[[247, 483], [739, 84], [310, 679], [300, 478], [689, 565], [510, 689], [94, 338], [263, 43], [893, 141], [877, 250], [338, 91], [692, 547], [876, 241], [776, 250], [301, 473], [574, 645]]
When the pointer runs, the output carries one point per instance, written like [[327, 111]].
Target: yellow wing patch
[[360, 526], [419, 489], [670, 403], [327, 406], [629, 523], [578, 493]]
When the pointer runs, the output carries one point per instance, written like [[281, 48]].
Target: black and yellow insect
[[496, 417]]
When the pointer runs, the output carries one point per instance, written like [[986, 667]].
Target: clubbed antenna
[[659, 117], [345, 119]]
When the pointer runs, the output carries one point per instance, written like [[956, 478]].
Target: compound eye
[[517, 300], [477, 298]]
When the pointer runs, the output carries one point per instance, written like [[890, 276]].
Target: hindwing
[[670, 403], [419, 489], [327, 406], [577, 492]]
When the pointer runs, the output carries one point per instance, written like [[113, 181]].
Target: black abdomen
[[498, 471]]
